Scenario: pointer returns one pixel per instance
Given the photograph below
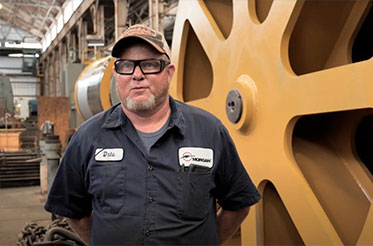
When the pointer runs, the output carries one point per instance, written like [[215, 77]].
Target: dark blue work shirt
[[166, 196]]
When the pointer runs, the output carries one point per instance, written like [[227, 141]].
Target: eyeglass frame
[[164, 64]]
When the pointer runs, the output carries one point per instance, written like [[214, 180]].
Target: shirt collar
[[115, 118], [118, 118], [177, 118]]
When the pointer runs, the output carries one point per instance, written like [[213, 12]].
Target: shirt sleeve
[[234, 188], [69, 195]]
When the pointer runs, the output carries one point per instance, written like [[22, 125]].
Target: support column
[[97, 13], [121, 14], [156, 13], [82, 34], [51, 82], [73, 48], [100, 20], [64, 52], [46, 76], [58, 67], [97, 38], [55, 71], [68, 47]]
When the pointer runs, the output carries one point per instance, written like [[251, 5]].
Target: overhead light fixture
[[30, 55], [95, 43], [1, 6], [23, 45], [23, 55], [15, 55]]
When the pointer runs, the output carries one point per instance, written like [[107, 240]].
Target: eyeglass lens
[[146, 66]]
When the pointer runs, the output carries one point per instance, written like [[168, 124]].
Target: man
[[150, 169]]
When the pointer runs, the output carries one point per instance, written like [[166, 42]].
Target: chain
[[60, 222], [57, 233], [31, 233]]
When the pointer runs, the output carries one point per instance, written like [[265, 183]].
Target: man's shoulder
[[96, 122], [198, 118], [195, 112]]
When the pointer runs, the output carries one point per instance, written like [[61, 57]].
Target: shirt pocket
[[194, 190], [107, 185]]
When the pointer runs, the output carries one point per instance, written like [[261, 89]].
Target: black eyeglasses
[[147, 66]]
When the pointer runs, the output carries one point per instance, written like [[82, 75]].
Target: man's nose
[[138, 73]]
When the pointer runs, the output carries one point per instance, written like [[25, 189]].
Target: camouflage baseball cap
[[154, 38]]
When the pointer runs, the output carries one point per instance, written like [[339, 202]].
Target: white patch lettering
[[115, 154], [196, 156]]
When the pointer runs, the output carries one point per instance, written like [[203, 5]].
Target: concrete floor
[[19, 206]]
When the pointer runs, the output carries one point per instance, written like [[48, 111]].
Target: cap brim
[[127, 41]]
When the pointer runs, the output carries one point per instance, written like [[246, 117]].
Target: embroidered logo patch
[[115, 154], [196, 156]]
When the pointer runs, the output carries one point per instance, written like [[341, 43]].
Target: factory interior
[[291, 80]]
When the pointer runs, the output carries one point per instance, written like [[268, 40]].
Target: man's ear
[[170, 72]]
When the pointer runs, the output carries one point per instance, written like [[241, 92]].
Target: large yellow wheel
[[293, 83]]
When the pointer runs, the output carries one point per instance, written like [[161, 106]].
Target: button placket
[[149, 208]]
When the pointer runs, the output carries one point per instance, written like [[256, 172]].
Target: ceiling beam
[[42, 5], [68, 26], [25, 26], [45, 18], [19, 17]]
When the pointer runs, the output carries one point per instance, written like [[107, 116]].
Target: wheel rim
[[291, 88]]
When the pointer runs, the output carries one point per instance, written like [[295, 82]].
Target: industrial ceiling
[[27, 17]]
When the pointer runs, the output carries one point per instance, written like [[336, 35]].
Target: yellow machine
[[293, 83], [288, 80]]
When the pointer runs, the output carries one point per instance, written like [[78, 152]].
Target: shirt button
[[150, 168], [147, 233], [151, 199]]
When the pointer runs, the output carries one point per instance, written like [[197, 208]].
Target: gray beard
[[140, 106]]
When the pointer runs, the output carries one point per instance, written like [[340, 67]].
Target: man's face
[[140, 92]]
